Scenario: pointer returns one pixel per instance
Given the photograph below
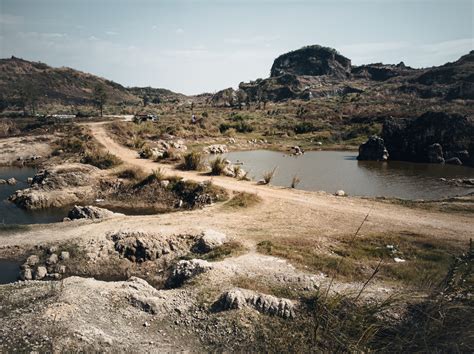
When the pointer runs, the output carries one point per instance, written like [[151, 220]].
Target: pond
[[9, 271], [332, 170], [10, 213]]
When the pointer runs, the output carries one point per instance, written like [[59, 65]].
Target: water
[[10, 213], [332, 170], [9, 271]]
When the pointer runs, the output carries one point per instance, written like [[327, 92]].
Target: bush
[[295, 181], [101, 160], [241, 127], [193, 161], [304, 127], [131, 173], [217, 166]]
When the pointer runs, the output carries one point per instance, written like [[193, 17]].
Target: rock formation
[[373, 149]]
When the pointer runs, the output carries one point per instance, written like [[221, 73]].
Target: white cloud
[[93, 38], [42, 35], [111, 33], [179, 31], [7, 19], [252, 40]]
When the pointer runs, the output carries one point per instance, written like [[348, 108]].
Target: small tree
[[28, 95], [100, 97], [146, 100]]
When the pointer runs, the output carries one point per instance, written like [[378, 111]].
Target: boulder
[[216, 149], [453, 161], [32, 260], [340, 193], [435, 153], [90, 212], [26, 274], [64, 255], [209, 240], [238, 298], [3, 181], [373, 150], [11, 181], [52, 259], [40, 273]]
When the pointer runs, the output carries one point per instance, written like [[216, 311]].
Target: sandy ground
[[24, 147]]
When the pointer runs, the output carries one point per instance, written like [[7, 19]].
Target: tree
[[100, 97], [28, 95], [146, 100]]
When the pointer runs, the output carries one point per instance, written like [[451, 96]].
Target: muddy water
[[10, 213], [9, 271], [332, 170]]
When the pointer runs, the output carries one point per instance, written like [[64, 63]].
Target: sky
[[195, 46]]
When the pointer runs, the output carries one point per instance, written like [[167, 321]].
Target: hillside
[[55, 85]]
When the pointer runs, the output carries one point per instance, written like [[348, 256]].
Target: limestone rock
[[40, 273], [209, 240], [185, 270], [238, 298], [52, 259], [90, 212]]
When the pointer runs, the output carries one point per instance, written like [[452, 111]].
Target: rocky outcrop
[[312, 61], [238, 298], [373, 150], [163, 149], [380, 72], [90, 212], [432, 137], [57, 187], [139, 246]]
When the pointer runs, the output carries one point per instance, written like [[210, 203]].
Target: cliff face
[[432, 137]]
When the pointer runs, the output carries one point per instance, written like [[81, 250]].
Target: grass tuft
[[193, 161], [243, 200]]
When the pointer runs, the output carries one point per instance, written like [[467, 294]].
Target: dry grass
[[131, 173], [193, 161], [268, 175], [243, 200], [217, 166], [426, 260], [295, 181]]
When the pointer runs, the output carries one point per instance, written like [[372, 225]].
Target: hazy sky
[[207, 45]]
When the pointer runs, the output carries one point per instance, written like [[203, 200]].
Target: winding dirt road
[[315, 218]]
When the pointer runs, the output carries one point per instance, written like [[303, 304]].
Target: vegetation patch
[[411, 259], [100, 159]]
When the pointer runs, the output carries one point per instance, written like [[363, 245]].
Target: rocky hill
[[55, 85], [316, 71]]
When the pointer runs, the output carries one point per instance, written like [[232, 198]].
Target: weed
[[268, 175], [101, 160], [295, 181]]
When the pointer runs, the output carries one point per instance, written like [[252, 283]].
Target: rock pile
[[216, 149], [49, 268], [185, 270]]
